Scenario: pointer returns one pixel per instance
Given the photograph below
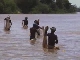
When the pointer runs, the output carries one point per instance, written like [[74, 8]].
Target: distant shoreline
[[52, 13]]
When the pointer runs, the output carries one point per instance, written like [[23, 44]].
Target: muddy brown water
[[15, 44]]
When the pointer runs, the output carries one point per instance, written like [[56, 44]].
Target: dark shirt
[[32, 32], [25, 22], [10, 22], [36, 26], [52, 39]]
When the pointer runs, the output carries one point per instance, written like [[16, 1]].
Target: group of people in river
[[51, 40]]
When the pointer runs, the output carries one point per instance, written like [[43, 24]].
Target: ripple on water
[[15, 44], [16, 59]]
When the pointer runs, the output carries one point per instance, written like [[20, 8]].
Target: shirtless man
[[25, 22], [32, 32], [52, 38], [8, 23]]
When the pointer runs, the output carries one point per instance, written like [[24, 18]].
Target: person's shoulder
[[31, 28], [23, 20], [5, 19]]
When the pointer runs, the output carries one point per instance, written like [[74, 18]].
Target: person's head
[[35, 21], [26, 18], [8, 17], [53, 29]]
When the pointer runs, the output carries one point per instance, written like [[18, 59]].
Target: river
[[15, 44]]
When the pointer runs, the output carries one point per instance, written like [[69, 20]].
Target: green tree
[[1, 8], [78, 9], [41, 8], [72, 9], [53, 6], [26, 5], [66, 3], [46, 1], [59, 3], [36, 6], [8, 6]]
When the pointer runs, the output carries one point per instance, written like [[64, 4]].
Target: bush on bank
[[36, 6]]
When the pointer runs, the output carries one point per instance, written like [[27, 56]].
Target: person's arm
[[22, 22], [10, 22], [40, 27], [5, 19], [5, 22], [30, 31], [44, 41], [27, 21], [45, 37], [38, 21], [56, 40]]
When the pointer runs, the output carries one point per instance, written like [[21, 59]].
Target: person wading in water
[[32, 33], [25, 22], [37, 22], [33, 30], [37, 27], [52, 38], [7, 23]]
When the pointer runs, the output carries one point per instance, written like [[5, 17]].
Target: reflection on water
[[15, 44]]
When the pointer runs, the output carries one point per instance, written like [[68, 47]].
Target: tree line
[[78, 9], [36, 6]]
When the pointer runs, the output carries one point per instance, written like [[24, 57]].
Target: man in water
[[52, 38], [8, 23], [32, 32], [25, 22], [37, 22], [36, 26]]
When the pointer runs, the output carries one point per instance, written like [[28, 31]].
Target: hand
[[43, 27], [22, 23], [56, 42], [11, 23]]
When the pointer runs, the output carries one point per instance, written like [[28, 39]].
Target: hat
[[53, 29]]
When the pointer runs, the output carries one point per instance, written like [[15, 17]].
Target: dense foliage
[[8, 6], [78, 9], [36, 6]]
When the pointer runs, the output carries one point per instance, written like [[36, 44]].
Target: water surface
[[15, 44]]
